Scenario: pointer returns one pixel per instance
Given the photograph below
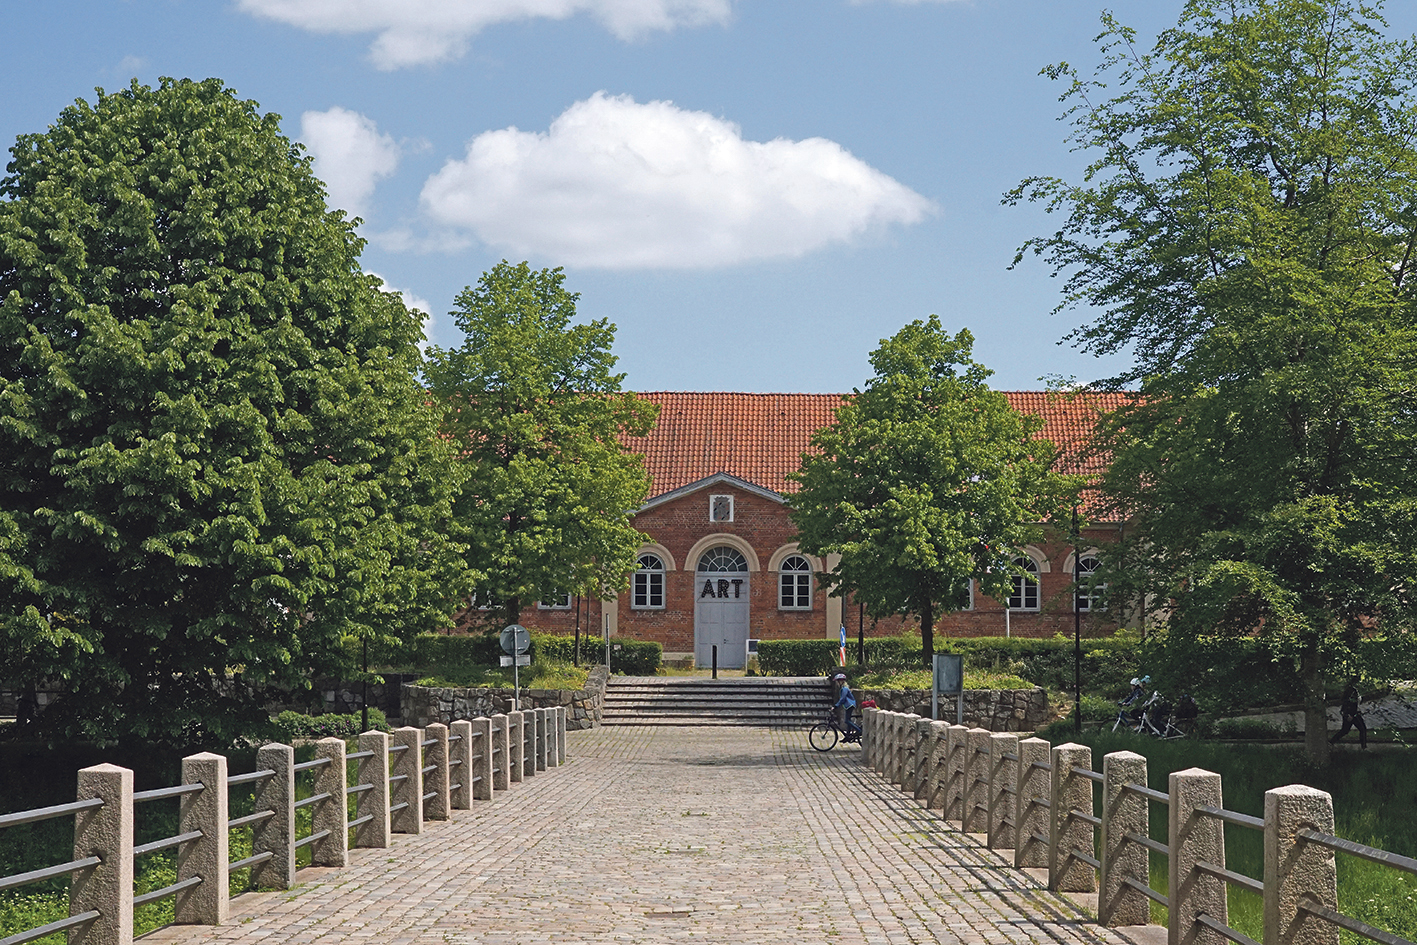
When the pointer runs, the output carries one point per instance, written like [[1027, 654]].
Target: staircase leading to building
[[692, 700]]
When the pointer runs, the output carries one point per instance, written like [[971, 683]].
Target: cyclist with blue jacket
[[845, 700]]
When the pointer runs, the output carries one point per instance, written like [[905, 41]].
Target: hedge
[[296, 725], [432, 651]]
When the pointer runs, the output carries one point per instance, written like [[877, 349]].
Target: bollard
[[1031, 821], [908, 740], [1003, 778], [501, 752], [924, 744], [976, 783], [276, 834], [483, 772], [939, 764], [553, 736], [529, 743], [437, 780], [462, 771], [516, 745], [868, 737], [328, 816], [1195, 838], [562, 715], [1296, 870], [715, 662], [105, 833], [1123, 812], [373, 770], [406, 780], [958, 737], [543, 745], [208, 857], [1071, 835]]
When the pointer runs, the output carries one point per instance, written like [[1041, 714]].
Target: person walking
[[1352, 713]]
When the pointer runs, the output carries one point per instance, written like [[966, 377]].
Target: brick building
[[723, 567]]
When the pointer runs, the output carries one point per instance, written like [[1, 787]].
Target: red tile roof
[[761, 437]]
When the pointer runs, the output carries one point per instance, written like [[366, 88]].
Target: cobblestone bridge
[[664, 835]]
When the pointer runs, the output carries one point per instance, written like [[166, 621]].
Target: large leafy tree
[[1247, 227], [538, 413], [926, 480], [215, 460]]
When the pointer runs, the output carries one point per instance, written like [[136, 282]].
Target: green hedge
[[432, 652], [293, 725]]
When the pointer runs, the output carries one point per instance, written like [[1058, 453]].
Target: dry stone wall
[[997, 710], [424, 705]]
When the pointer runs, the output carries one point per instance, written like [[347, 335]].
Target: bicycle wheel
[[823, 736]]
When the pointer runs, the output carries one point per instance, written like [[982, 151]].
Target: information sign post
[[948, 681], [515, 642]]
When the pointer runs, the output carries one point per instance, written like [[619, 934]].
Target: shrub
[[797, 657], [291, 726]]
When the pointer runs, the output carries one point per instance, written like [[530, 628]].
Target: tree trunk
[[514, 610], [927, 632], [1315, 707]]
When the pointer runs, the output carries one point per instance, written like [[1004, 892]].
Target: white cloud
[[619, 185], [414, 32], [350, 155]]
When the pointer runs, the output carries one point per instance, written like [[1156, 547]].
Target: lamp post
[[1077, 631]]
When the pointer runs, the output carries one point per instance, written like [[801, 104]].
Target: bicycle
[[825, 734]]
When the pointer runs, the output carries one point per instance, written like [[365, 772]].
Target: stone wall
[[423, 705], [998, 710]]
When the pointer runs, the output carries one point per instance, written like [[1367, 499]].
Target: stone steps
[[774, 702]]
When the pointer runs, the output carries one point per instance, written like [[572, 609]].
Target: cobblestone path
[[660, 835]]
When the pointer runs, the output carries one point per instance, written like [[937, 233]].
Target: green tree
[[926, 480], [1247, 229], [538, 414], [215, 460]]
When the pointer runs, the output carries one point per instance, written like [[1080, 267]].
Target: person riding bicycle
[[1137, 697], [845, 700]]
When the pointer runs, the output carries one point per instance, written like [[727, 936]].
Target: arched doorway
[[721, 608]]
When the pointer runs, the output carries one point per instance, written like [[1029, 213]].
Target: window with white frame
[[967, 586], [720, 508], [481, 600], [1025, 591], [1090, 595], [723, 558], [794, 584], [647, 584], [558, 603]]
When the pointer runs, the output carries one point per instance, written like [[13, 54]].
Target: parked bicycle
[[825, 734]]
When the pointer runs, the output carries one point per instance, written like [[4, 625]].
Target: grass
[[1367, 790], [921, 679], [540, 675]]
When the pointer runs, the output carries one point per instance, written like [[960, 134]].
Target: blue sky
[[754, 191]]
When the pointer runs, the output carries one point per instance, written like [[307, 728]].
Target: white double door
[[721, 618]]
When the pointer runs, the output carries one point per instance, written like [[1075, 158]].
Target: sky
[[755, 192]]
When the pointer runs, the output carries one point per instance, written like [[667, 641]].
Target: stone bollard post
[[976, 782], [939, 764], [1195, 838], [1003, 781], [1123, 812], [1071, 835], [1031, 821], [1296, 870], [437, 779], [208, 857], [106, 833], [501, 751], [924, 745], [561, 756], [516, 745], [529, 748], [553, 737], [480, 771], [406, 780], [893, 763], [909, 769], [276, 834], [868, 737], [880, 741], [373, 770], [330, 814], [461, 769], [543, 742], [958, 742]]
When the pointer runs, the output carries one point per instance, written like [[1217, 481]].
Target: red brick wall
[[763, 524]]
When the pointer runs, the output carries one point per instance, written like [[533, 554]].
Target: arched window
[[723, 558], [1090, 596], [1025, 592], [794, 584], [647, 584]]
